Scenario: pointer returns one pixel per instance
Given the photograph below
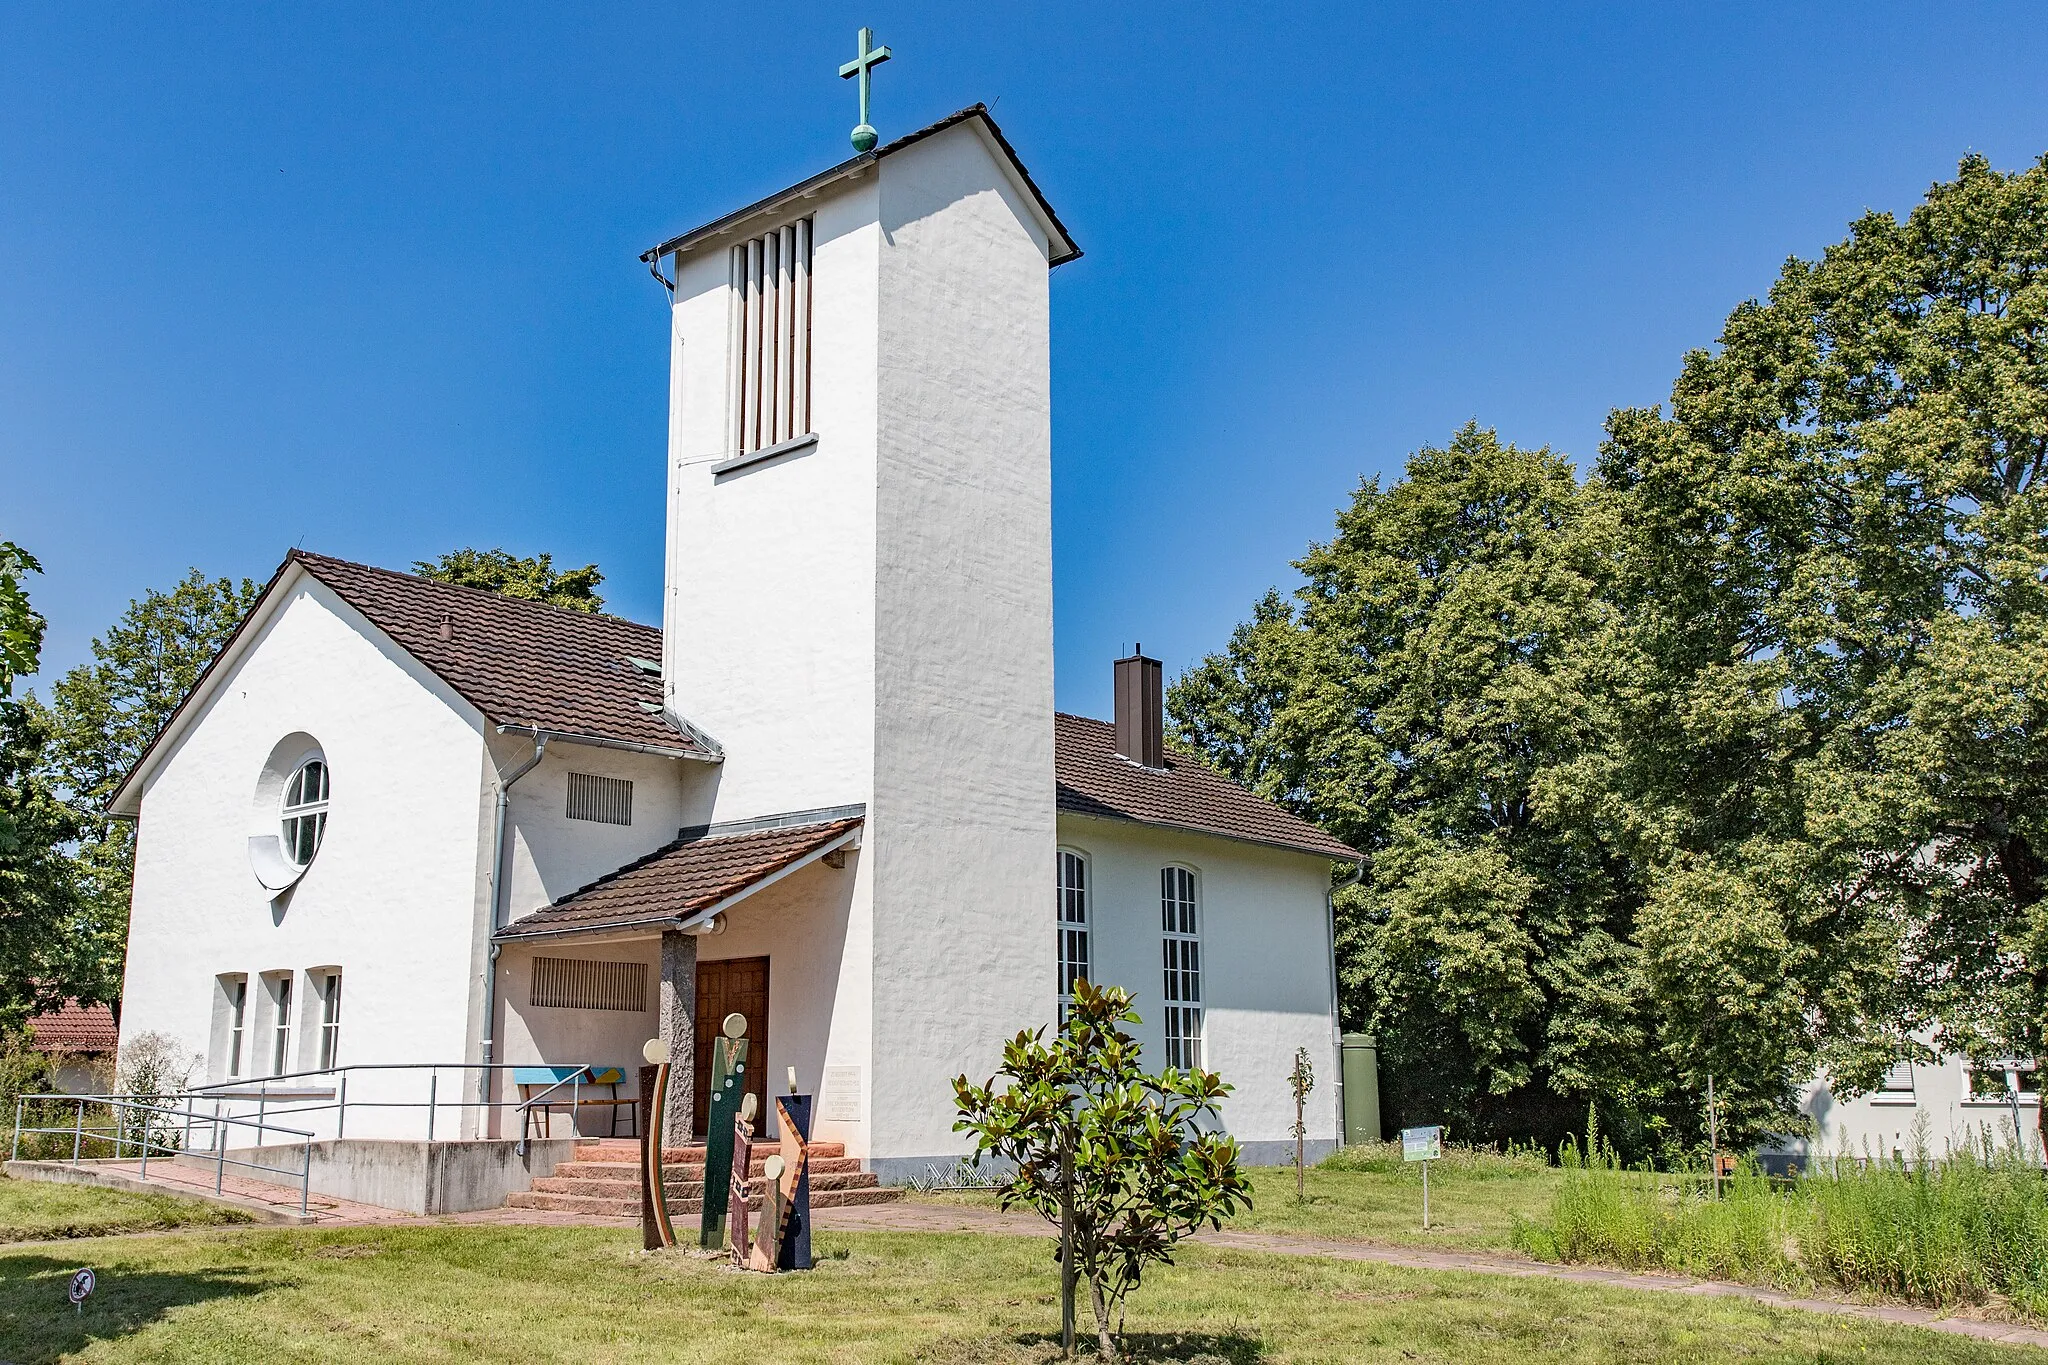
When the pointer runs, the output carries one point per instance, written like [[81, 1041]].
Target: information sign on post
[[1424, 1145]]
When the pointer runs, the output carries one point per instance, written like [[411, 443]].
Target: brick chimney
[[1140, 710]]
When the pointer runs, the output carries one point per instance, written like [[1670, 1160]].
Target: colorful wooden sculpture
[[656, 1231], [793, 1245], [728, 1083], [742, 1180], [766, 1253]]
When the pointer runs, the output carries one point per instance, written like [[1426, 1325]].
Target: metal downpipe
[[498, 880], [1336, 1008]]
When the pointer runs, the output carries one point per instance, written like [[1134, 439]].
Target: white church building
[[401, 823]]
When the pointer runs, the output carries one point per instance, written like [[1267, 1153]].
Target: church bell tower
[[859, 573]]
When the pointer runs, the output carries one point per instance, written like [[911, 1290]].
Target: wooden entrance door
[[736, 985]]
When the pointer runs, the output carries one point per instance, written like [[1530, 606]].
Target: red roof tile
[[1187, 794], [521, 663], [678, 880], [73, 1027]]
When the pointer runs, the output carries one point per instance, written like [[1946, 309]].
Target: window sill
[[754, 457], [1988, 1102], [1903, 1101]]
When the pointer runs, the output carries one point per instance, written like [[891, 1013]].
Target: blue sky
[[363, 277]]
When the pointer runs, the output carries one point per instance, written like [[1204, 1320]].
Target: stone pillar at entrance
[[679, 1031]]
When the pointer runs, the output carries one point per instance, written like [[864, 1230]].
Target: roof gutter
[[1303, 849], [708, 750]]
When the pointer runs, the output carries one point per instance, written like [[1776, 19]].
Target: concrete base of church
[[413, 1177], [1281, 1153]]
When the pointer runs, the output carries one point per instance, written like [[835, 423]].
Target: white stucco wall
[[549, 855], [961, 824], [390, 898], [1265, 962], [769, 624]]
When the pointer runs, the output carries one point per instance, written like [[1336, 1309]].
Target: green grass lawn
[[1367, 1197], [1467, 1211], [31, 1210], [521, 1294]]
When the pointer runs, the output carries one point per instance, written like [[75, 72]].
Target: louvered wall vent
[[608, 800], [771, 338], [569, 983]]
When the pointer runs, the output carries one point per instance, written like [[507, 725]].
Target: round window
[[304, 811]]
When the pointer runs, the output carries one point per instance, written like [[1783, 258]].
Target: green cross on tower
[[870, 57]]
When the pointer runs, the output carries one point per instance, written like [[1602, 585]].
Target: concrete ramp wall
[[411, 1176]]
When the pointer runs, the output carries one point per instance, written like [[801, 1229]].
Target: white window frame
[[281, 993], [1073, 922], [1180, 924], [234, 1019], [297, 812], [327, 992]]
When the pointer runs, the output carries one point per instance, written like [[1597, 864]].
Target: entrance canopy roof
[[686, 882]]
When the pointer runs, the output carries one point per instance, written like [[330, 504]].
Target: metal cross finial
[[864, 137]]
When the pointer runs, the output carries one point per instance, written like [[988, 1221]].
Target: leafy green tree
[[21, 628], [1412, 702], [38, 902], [100, 718], [1836, 580], [1726, 762], [501, 571], [1118, 1159]]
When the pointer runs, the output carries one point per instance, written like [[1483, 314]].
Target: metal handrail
[[342, 1103], [123, 1106]]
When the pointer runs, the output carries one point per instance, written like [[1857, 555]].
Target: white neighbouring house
[[401, 822]]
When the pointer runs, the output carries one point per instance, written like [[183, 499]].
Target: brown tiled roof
[[73, 1027], [521, 663], [677, 880], [1094, 780]]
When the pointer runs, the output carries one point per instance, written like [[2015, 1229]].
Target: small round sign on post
[[83, 1282]]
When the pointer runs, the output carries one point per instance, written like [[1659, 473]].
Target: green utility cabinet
[[1361, 1088]]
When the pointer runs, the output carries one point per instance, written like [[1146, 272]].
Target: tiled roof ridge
[[75, 1027], [311, 558], [1187, 794]]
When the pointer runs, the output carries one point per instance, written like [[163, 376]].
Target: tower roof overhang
[[1062, 247]]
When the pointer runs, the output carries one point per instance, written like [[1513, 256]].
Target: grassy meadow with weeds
[[1966, 1230], [481, 1293], [1477, 1195], [31, 1210]]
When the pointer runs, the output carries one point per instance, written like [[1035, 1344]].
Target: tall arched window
[[1180, 922], [1073, 923]]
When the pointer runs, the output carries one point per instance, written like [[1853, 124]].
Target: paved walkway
[[910, 1217]]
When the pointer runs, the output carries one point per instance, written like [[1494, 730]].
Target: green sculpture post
[[728, 1083]]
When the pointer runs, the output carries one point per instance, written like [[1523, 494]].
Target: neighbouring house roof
[[77, 1029], [1187, 794], [527, 666], [1063, 247], [690, 879]]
